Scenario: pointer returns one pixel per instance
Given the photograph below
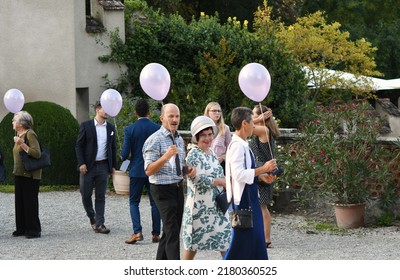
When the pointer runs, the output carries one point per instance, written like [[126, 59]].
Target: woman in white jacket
[[241, 186]]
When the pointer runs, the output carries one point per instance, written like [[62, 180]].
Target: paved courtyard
[[67, 235]]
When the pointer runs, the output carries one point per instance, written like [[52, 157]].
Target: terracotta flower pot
[[121, 182], [350, 215]]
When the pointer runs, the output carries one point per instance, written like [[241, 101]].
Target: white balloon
[[255, 81], [111, 102], [155, 81], [14, 100]]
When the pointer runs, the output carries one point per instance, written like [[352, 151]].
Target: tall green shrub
[[57, 129]]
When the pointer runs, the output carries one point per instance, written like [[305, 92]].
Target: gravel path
[[67, 235]]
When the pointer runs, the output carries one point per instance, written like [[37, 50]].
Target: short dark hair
[[240, 114], [97, 104], [142, 108]]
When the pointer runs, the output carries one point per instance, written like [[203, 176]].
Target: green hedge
[[57, 129]]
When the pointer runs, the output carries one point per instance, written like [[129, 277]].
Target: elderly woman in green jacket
[[26, 183]]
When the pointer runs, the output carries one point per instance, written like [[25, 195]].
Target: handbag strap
[[26, 138], [27, 141], [230, 178]]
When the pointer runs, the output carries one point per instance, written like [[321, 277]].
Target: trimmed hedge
[[56, 128]]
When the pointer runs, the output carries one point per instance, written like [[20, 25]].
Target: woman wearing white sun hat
[[205, 226]]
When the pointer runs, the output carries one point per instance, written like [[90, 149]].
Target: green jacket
[[34, 151]]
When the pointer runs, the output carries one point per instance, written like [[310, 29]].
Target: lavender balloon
[[155, 81], [14, 100], [255, 81], [111, 101]]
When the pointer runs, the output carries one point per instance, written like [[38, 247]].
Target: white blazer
[[237, 175]]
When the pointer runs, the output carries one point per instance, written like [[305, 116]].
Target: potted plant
[[338, 156]]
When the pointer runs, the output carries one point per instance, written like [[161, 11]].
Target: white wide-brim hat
[[200, 123]]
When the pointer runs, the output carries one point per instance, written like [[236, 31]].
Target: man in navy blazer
[[134, 138], [96, 155]]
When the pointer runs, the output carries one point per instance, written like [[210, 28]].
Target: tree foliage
[[204, 58], [321, 47], [375, 20], [286, 10]]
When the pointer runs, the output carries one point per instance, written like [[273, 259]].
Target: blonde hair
[[220, 124], [270, 122]]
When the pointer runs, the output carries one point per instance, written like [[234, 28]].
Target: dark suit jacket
[[134, 138], [86, 145]]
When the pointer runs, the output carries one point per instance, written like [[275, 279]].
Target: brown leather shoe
[[155, 239], [134, 238]]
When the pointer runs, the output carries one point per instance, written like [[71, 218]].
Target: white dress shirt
[[101, 131]]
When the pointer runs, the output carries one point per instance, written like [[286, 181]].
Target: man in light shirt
[[164, 154]]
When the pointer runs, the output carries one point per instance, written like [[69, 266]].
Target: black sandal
[[268, 244]]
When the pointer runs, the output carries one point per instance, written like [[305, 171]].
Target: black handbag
[[222, 201], [242, 218], [31, 163]]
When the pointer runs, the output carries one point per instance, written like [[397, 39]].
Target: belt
[[178, 184], [101, 161]]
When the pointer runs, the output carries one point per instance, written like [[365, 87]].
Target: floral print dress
[[204, 226]]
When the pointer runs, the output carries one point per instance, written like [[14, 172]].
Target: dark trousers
[[96, 178], [27, 205], [169, 201]]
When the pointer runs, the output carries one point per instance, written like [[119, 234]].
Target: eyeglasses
[[209, 135], [215, 111]]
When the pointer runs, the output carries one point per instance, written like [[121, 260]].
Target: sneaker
[[93, 223], [155, 239], [102, 229], [134, 238]]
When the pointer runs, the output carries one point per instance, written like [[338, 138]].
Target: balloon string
[[117, 134], [266, 131]]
